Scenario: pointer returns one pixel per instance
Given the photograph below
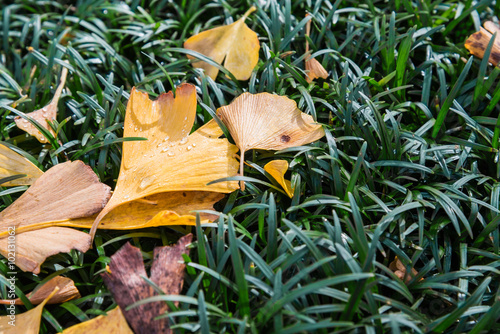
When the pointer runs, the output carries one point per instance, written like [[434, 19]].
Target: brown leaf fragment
[[492, 27], [126, 283], [42, 116], [399, 270], [478, 42], [112, 323], [314, 69], [33, 247], [67, 291]]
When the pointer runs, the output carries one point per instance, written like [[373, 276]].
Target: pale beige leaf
[[12, 163]]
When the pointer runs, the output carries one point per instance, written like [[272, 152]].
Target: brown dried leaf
[[268, 122], [112, 323], [478, 41], [67, 291], [399, 270], [42, 116], [127, 285], [314, 69]]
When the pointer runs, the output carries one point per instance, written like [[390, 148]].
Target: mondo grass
[[409, 166]]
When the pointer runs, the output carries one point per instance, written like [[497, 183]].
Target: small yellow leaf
[[268, 122], [236, 43], [277, 169], [12, 163], [67, 291], [42, 116], [112, 323], [25, 323], [314, 69], [171, 160]]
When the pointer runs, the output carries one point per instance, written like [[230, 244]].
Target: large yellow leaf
[[112, 323], [171, 160], [237, 43], [25, 323], [268, 122], [12, 163], [47, 113], [66, 191]]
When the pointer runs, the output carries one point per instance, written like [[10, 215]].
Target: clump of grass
[[409, 166]]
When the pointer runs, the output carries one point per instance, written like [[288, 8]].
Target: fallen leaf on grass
[[170, 161], [277, 169], [25, 323], [314, 69], [478, 42], [399, 270], [66, 191], [112, 323], [42, 116], [12, 163], [236, 43], [268, 122], [127, 285], [67, 291]]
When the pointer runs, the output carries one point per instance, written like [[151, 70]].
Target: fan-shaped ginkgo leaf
[[268, 122], [67, 291], [277, 169], [171, 160], [25, 323], [12, 163], [314, 69], [112, 323], [66, 191], [42, 116], [236, 43]]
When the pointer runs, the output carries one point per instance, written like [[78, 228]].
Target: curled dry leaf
[[67, 191], [171, 165], [12, 163], [112, 323], [277, 169], [128, 286], [478, 42], [25, 323], [67, 291], [236, 43], [314, 69], [399, 270], [42, 116], [268, 122]]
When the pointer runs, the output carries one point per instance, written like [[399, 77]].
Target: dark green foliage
[[409, 165]]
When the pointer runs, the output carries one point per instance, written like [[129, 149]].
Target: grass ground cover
[[408, 169]]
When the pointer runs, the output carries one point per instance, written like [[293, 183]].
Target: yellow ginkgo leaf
[[42, 116], [25, 323], [236, 43], [268, 122], [314, 69], [171, 160], [12, 163], [66, 191], [112, 323], [67, 291], [277, 169]]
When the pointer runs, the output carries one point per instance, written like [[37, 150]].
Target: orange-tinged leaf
[[42, 116], [25, 323], [268, 122], [314, 69], [236, 43], [12, 163], [171, 160], [67, 291], [277, 169], [399, 270], [66, 191], [126, 283], [478, 42], [112, 323]]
